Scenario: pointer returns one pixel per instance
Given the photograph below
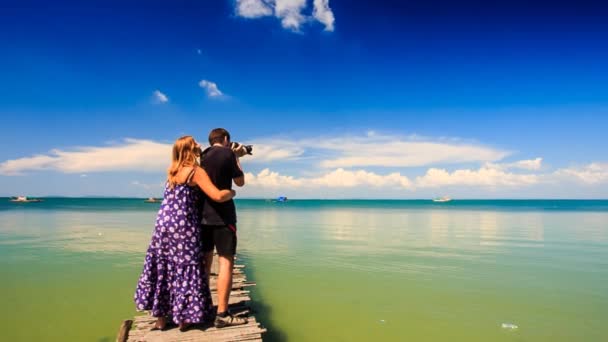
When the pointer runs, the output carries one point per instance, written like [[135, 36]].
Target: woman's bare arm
[[204, 182]]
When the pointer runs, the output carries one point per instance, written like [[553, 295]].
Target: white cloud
[[268, 151], [338, 178], [16, 167], [528, 164], [269, 179], [594, 173], [211, 88], [531, 164], [371, 150], [338, 166], [253, 8], [324, 14], [377, 150], [129, 155], [485, 176], [290, 12], [160, 97], [345, 178], [394, 151]]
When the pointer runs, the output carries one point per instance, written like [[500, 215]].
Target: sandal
[[228, 321]]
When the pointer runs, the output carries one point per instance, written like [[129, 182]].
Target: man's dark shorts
[[223, 238]]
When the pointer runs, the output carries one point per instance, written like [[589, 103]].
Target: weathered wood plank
[[123, 332], [140, 328]]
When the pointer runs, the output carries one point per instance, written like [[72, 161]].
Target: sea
[[327, 270]]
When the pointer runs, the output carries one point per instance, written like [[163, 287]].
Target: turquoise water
[[327, 270]]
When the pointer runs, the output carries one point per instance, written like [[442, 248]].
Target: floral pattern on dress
[[172, 283]]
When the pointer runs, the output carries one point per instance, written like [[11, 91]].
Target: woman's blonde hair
[[185, 153]]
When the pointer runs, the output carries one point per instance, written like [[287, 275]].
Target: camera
[[240, 149]]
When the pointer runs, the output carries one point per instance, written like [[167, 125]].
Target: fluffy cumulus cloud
[[594, 173], [159, 97], [338, 178], [270, 179], [324, 14], [344, 178], [253, 8], [289, 12], [433, 178], [211, 89], [485, 176]]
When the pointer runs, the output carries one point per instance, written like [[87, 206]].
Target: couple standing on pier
[[174, 284]]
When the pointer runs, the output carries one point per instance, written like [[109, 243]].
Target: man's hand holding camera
[[240, 149]]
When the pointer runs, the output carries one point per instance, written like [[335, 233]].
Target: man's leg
[[226, 248], [224, 282]]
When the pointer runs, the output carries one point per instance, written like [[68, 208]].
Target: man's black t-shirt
[[220, 164]]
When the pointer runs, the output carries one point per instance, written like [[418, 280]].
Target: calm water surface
[[327, 270]]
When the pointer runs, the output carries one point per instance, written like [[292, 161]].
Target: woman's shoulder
[[184, 174], [185, 170]]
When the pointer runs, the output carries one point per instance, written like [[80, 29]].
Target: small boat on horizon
[[153, 200], [442, 199], [24, 199], [281, 199]]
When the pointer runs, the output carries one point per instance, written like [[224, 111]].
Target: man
[[219, 219]]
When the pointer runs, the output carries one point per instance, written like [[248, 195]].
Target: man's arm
[[239, 175]]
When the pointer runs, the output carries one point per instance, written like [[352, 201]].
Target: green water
[[327, 270]]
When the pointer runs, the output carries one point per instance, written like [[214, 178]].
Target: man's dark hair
[[216, 136]]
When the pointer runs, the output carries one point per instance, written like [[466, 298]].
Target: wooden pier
[[139, 329]]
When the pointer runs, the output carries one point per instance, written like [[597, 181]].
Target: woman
[[173, 283]]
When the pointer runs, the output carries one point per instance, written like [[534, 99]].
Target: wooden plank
[[123, 332], [140, 328]]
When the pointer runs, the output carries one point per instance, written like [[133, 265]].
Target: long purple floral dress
[[172, 283]]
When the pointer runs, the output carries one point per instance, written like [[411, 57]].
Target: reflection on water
[[402, 241], [466, 271], [523, 230], [428, 274], [116, 233]]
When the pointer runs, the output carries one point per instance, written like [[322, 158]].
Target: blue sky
[[393, 99]]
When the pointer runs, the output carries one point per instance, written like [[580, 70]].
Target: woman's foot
[[184, 326], [161, 323]]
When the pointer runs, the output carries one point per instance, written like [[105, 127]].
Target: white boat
[[153, 200], [442, 199], [24, 199]]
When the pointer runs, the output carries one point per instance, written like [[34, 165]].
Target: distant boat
[[442, 199], [281, 199], [24, 199], [153, 200]]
